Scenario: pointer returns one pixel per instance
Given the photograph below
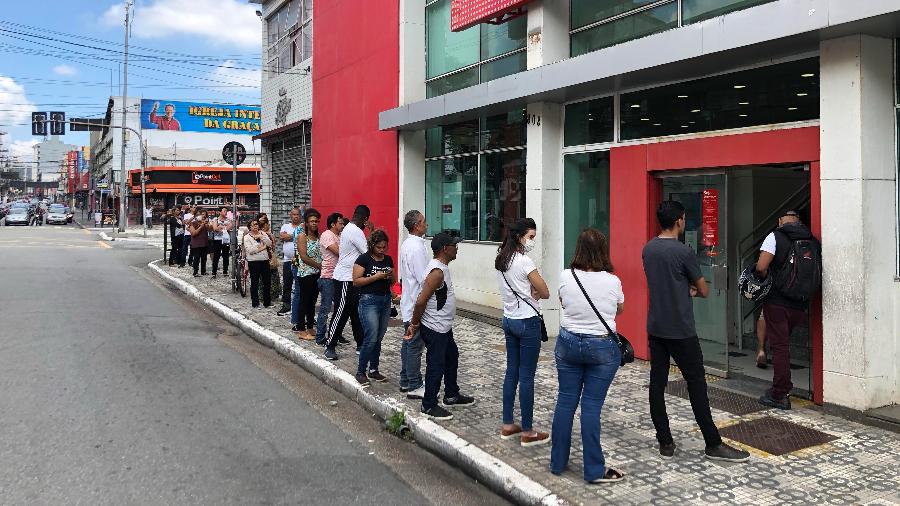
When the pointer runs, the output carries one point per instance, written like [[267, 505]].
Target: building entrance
[[729, 213]]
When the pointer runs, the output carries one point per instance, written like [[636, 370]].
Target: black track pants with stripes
[[346, 305]]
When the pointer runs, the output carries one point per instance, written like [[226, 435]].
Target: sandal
[[612, 475]]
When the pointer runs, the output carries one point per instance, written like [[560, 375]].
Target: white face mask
[[529, 245]]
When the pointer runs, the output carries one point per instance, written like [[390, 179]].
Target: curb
[[492, 472], [106, 237]]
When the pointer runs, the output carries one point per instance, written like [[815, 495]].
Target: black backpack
[[800, 274]]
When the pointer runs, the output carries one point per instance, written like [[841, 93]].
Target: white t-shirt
[[441, 307], [769, 244], [353, 244], [605, 290], [517, 275], [414, 258], [287, 247], [148, 213]]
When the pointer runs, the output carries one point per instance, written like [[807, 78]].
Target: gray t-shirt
[[670, 267]]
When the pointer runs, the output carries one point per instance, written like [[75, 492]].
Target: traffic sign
[[57, 123], [230, 150], [39, 123]]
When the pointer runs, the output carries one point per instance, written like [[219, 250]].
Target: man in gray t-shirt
[[673, 277]]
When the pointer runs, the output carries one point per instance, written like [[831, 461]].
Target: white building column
[[412, 89], [858, 172]]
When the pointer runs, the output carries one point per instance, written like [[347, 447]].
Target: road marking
[[86, 231], [101, 243]]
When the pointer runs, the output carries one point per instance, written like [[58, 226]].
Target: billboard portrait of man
[[167, 121]]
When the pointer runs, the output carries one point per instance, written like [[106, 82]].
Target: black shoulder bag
[[544, 336], [625, 347]]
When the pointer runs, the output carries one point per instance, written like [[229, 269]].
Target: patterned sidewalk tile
[[861, 466]]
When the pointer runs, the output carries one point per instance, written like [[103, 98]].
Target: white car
[[57, 214]]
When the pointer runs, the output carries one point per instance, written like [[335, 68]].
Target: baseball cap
[[440, 240]]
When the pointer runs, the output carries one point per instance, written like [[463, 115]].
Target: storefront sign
[[199, 117], [467, 13], [710, 218], [71, 169], [206, 177], [218, 200], [195, 177]]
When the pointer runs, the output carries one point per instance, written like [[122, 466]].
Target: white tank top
[[441, 307]]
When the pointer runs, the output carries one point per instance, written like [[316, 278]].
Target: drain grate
[[725, 400], [775, 436]]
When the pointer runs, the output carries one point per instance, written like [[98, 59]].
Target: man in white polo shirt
[[346, 297], [286, 235], [414, 258]]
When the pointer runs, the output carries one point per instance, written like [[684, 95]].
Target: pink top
[[329, 259]]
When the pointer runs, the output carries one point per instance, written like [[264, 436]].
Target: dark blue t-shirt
[[670, 267]]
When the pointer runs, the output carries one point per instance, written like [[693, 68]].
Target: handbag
[[544, 336], [625, 348]]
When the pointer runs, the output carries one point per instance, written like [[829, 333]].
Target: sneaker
[[330, 354], [727, 453], [284, 310], [341, 340], [377, 376], [667, 450], [538, 438], [767, 400], [506, 434], [403, 390], [459, 400], [296, 328], [320, 343], [357, 350], [214, 275], [416, 393], [362, 380], [438, 413]]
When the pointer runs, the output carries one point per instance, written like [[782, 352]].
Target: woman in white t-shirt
[[521, 286], [586, 357]]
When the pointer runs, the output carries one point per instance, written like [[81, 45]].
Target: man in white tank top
[[433, 318]]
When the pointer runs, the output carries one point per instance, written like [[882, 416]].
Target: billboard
[[199, 117], [72, 170], [467, 13]]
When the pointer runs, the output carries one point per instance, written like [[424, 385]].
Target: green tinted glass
[[452, 82], [455, 139], [586, 197], [589, 122], [693, 11], [451, 187], [503, 130], [502, 192], [503, 38], [585, 12], [631, 27], [506, 66], [445, 50]]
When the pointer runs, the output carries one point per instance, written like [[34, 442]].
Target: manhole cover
[[720, 399], [775, 436]]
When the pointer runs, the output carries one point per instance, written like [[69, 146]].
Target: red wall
[[635, 192], [355, 75]]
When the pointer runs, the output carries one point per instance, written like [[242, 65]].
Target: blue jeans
[[523, 344], [585, 367], [374, 311], [411, 361], [295, 298], [441, 362], [326, 292]]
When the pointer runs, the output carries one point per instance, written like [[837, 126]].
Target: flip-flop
[[612, 475]]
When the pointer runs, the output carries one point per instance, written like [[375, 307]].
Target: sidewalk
[[860, 465], [132, 233]]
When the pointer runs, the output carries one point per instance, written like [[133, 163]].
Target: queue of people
[[351, 275]]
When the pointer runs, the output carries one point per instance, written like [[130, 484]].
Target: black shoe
[[438, 413], [377, 376], [767, 400], [403, 390], [196, 275], [727, 453], [214, 275], [459, 400], [330, 354], [362, 380], [341, 340], [296, 328], [667, 450], [284, 310]]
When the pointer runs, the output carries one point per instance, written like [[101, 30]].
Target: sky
[[66, 55]]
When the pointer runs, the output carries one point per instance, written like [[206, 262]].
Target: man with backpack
[[793, 257]]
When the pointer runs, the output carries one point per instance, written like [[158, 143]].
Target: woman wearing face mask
[[522, 287]]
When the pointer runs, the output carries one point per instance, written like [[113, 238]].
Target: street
[[118, 391]]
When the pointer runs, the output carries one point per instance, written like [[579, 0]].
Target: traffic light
[[38, 123], [57, 123]]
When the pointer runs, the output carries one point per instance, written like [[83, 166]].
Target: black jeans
[[198, 259], [346, 305], [287, 282], [220, 250], [259, 271], [175, 251], [689, 358], [441, 362], [309, 292]]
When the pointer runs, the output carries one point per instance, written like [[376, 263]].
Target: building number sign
[[533, 119]]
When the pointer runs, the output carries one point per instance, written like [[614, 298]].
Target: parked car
[[18, 216], [57, 214]]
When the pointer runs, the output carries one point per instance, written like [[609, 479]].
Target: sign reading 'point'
[[467, 13]]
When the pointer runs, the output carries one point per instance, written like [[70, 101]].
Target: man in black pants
[[221, 243], [346, 297], [673, 277]]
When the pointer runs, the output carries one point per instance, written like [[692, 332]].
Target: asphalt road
[[116, 390]]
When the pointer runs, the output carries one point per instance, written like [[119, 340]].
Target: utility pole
[[122, 171]]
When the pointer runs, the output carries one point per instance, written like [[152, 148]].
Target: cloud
[[65, 70], [22, 149], [15, 107], [220, 22], [248, 80]]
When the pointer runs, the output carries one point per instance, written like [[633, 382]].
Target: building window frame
[[293, 39], [896, 91]]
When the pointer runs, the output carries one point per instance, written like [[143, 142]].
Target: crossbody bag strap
[[611, 333], [511, 289]]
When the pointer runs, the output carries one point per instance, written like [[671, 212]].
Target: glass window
[[775, 94], [451, 186], [503, 67], [693, 11], [586, 197], [307, 42], [455, 139], [621, 30], [585, 12], [453, 82], [307, 10], [589, 122], [502, 192], [501, 39], [447, 51], [504, 130]]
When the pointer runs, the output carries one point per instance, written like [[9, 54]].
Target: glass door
[[705, 199]]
